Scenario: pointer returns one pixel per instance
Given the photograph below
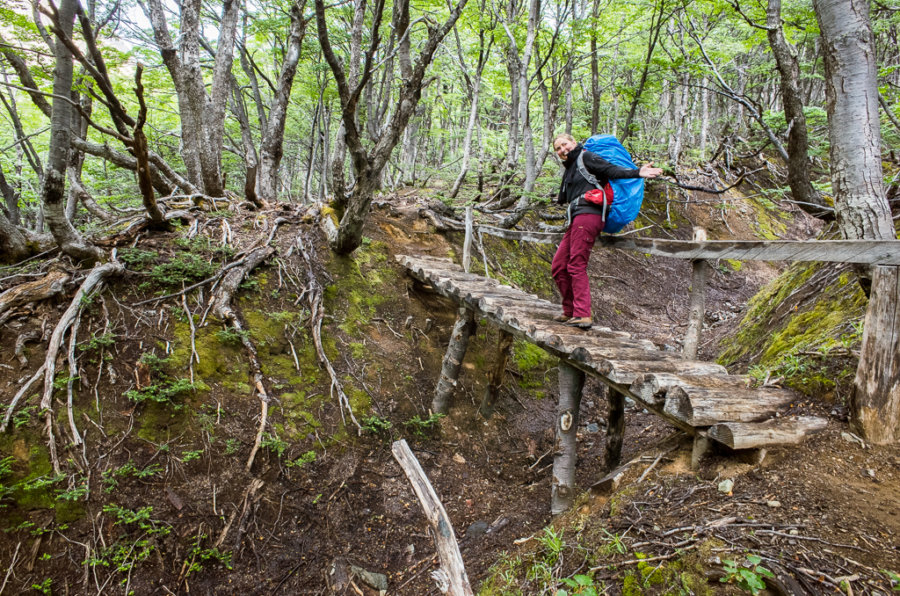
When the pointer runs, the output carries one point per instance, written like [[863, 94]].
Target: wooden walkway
[[700, 398]]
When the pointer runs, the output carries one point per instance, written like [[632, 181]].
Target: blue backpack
[[628, 193]]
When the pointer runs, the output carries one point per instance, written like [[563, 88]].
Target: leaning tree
[[368, 163]]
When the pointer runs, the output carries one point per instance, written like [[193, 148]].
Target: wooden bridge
[[700, 398]]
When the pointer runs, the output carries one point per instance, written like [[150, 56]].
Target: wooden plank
[[702, 406], [653, 386], [626, 371], [870, 252], [780, 431], [444, 538]]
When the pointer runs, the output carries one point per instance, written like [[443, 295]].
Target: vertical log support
[[504, 344], [698, 302], [456, 351], [467, 243], [875, 403], [562, 490], [615, 429]]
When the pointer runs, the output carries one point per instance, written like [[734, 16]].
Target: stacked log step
[[692, 395]]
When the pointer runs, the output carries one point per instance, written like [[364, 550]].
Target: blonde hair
[[564, 136]]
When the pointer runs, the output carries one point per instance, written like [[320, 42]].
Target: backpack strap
[[579, 163]]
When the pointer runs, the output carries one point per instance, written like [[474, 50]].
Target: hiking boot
[[562, 318], [580, 322]]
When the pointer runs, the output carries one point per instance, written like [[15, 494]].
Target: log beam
[[615, 429], [459, 342], [504, 345]]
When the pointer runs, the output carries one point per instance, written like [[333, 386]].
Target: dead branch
[[15, 400], [48, 286], [317, 313], [73, 372], [221, 307]]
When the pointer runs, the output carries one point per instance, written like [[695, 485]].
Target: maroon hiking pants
[[569, 267]]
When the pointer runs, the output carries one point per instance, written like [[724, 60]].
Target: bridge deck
[[691, 395]]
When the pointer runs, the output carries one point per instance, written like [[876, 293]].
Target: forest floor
[[170, 507]]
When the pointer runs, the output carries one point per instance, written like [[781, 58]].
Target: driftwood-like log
[[697, 307], [46, 287], [459, 342], [504, 344], [875, 402], [562, 488], [700, 406], [615, 429], [781, 431], [444, 538]]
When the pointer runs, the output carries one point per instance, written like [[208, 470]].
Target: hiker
[[569, 267]]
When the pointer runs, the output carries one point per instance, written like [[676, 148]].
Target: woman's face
[[563, 147]]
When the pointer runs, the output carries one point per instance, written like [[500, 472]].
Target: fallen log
[[452, 567], [49, 286]]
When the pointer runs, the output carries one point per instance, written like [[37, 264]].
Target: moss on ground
[[795, 323]]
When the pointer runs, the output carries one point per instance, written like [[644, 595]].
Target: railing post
[[698, 302], [467, 243]]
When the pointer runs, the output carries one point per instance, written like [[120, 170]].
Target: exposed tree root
[[93, 281], [221, 305], [250, 496], [313, 295]]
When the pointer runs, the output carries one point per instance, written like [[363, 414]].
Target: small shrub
[[748, 576]]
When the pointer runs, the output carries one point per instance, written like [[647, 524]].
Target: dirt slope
[[159, 500]]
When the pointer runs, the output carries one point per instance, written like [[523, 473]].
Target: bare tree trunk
[[13, 246], [271, 147], [54, 187], [852, 104], [798, 143], [861, 205]]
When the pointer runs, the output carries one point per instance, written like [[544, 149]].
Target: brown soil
[[837, 513]]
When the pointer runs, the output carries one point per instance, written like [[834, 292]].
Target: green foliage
[[128, 470], [164, 392], [198, 556], [183, 269], [232, 336], [104, 340], [421, 427], [579, 585], [894, 579], [375, 424], [44, 587], [274, 444], [187, 456], [138, 259], [748, 576], [306, 458]]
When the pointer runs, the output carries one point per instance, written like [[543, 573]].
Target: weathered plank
[[702, 406], [653, 386], [626, 371], [869, 252], [780, 431]]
